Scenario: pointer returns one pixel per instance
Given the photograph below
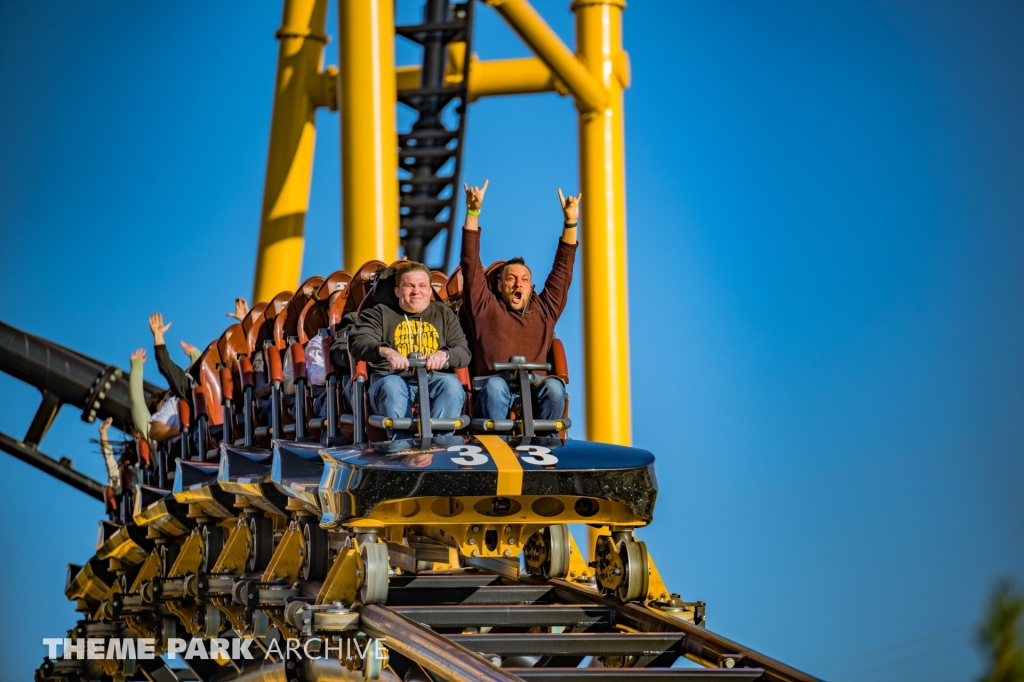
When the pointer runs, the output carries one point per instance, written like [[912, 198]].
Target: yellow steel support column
[[489, 78], [369, 141], [603, 238], [292, 139], [545, 43]]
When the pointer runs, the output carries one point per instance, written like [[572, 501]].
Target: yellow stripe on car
[[510, 471]]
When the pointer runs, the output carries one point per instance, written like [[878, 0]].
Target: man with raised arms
[[514, 320]]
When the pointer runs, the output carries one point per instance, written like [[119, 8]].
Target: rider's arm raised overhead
[[556, 286], [140, 413], [176, 376], [475, 293]]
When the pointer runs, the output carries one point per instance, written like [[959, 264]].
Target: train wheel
[[213, 543], [547, 552], [261, 531], [637, 572], [314, 564], [212, 621], [168, 553], [374, 588], [558, 551]]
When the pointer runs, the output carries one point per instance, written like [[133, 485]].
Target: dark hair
[[406, 268], [517, 260]]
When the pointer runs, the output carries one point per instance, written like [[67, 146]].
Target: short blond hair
[[405, 268]]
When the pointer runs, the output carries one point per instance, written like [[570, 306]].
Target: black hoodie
[[436, 328]]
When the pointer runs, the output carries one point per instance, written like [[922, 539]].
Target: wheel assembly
[[212, 621], [622, 567], [261, 532], [314, 563], [213, 543], [375, 568], [547, 552], [634, 557]]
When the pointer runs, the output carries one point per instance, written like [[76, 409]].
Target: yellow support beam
[[489, 78], [603, 183], [369, 138], [511, 77], [584, 84], [297, 88]]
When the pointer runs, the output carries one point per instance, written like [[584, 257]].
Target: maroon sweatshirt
[[497, 333]]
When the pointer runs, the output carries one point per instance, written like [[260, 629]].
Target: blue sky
[[826, 250]]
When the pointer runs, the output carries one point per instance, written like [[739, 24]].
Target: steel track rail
[[581, 623], [62, 472], [699, 644]]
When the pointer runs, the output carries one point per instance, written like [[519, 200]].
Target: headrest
[[384, 284], [337, 281], [492, 274]]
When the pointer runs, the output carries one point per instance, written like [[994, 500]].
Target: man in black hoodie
[[386, 335]]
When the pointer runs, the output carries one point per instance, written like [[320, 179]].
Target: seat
[[456, 291], [492, 273], [451, 292], [288, 340], [286, 323], [231, 343], [438, 280], [335, 282], [381, 291], [206, 377], [315, 314], [230, 346], [263, 328], [206, 400], [250, 318], [359, 287]]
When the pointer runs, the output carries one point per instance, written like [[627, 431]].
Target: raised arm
[[571, 212], [176, 376], [113, 475], [191, 351], [474, 201], [140, 413], [556, 286], [158, 328], [241, 309], [474, 281]]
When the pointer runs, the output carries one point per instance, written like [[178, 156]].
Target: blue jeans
[[495, 399], [391, 396], [320, 402]]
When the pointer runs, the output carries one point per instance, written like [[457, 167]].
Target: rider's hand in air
[[570, 206], [188, 348], [157, 326], [436, 359], [241, 309], [398, 361], [475, 196], [105, 426], [139, 354]]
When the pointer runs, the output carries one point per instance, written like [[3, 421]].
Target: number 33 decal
[[472, 455]]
